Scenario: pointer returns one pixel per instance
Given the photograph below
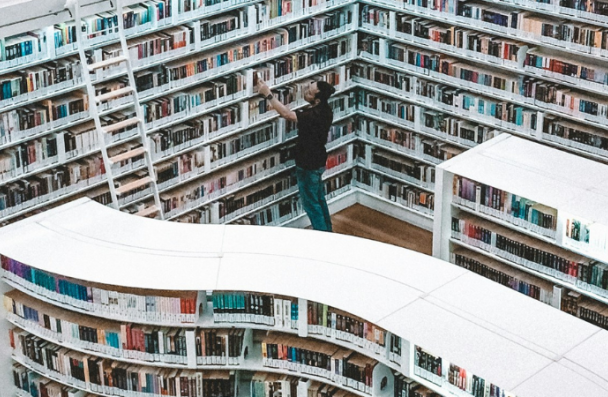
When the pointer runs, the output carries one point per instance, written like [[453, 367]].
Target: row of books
[[52, 183], [514, 22], [269, 385], [200, 193], [36, 118], [566, 67], [512, 206], [99, 374], [501, 114], [55, 75], [560, 263], [144, 48], [585, 5], [412, 171], [390, 188], [27, 157], [405, 387], [438, 124], [98, 299], [591, 140], [454, 378], [22, 45], [34, 384], [526, 21], [593, 235], [228, 303], [247, 200], [102, 375], [458, 38], [289, 207], [183, 69], [463, 259], [189, 103], [572, 102], [472, 384], [220, 344], [590, 73], [148, 343], [322, 317], [332, 359]]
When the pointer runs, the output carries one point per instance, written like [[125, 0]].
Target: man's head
[[318, 92]]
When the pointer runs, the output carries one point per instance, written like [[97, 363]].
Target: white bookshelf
[[570, 185], [386, 33], [496, 334], [189, 21]]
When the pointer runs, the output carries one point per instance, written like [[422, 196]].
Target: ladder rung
[[113, 94], [120, 125], [147, 211], [107, 62], [133, 185], [127, 155]]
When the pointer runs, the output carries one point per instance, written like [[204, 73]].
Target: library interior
[[152, 237]]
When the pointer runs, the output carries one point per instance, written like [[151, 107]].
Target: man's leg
[[308, 185], [323, 201]]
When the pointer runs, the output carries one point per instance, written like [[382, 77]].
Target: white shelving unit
[[570, 188], [496, 334], [175, 17]]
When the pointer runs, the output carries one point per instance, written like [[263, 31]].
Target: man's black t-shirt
[[313, 127]]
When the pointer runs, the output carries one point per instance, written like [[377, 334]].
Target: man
[[313, 126]]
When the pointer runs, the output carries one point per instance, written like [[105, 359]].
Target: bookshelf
[[526, 214], [397, 330], [466, 73], [193, 75]]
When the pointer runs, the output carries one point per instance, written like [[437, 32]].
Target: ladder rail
[[102, 131], [138, 111], [93, 111]]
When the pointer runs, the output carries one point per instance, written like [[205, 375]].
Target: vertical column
[[349, 154], [252, 18], [368, 156], [540, 122], [443, 213], [190, 349], [174, 12], [281, 125], [355, 11], [417, 117], [558, 293], [342, 77], [196, 28], [49, 32], [302, 317], [245, 114], [392, 23], [214, 209], [61, 147], [249, 82]]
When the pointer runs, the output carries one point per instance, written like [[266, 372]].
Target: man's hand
[[263, 88]]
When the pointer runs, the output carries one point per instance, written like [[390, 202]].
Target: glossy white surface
[[489, 330]]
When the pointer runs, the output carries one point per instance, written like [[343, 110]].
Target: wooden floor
[[364, 222]]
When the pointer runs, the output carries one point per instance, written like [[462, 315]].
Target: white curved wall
[[506, 338]]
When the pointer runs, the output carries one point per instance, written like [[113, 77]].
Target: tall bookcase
[[422, 324], [530, 217], [218, 153], [463, 72], [418, 83]]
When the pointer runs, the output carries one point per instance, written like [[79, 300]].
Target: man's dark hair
[[325, 91]]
